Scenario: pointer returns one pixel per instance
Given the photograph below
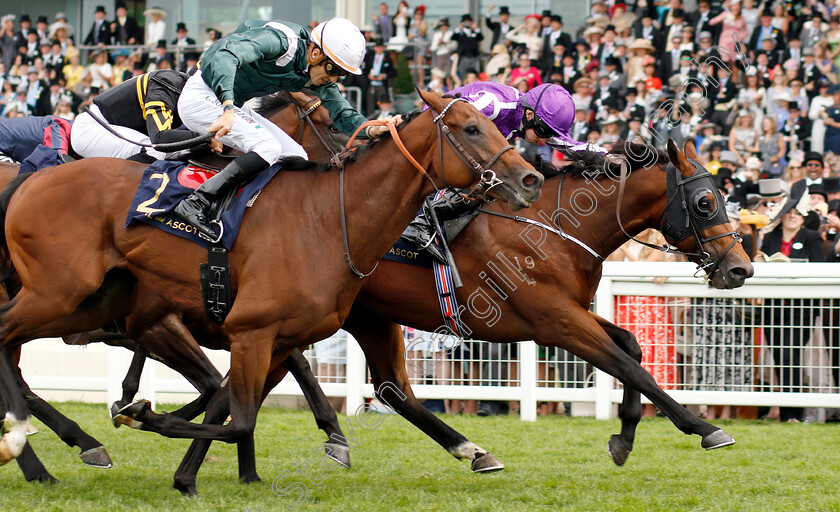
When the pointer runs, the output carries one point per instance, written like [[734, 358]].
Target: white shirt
[[155, 32]]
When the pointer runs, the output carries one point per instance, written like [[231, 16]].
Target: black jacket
[[149, 108], [132, 30], [387, 67], [104, 34], [807, 244]]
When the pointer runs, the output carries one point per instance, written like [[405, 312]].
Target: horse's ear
[[430, 98], [679, 160], [690, 150]]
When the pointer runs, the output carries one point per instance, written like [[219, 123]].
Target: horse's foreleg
[[131, 382], [17, 415], [585, 338], [630, 410], [384, 347], [325, 416]]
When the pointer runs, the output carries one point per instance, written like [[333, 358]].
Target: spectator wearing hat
[[797, 129], [32, 47], [213, 35], [100, 71], [100, 30], [582, 96], [468, 38], [645, 29], [810, 73], [670, 60], [557, 35], [442, 46], [818, 113], [813, 164], [788, 321], [832, 122], [673, 29], [498, 67], [379, 70], [597, 15], [8, 40], [499, 28], [42, 29], [765, 30], [545, 22], [25, 28], [155, 26], [124, 28], [162, 58], [813, 31], [54, 61], [181, 42]]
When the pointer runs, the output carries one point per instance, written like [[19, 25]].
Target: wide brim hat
[[730, 157], [156, 10], [8, 17], [593, 30], [642, 44], [799, 199], [68, 28], [584, 80]]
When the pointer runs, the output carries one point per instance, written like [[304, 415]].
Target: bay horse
[[553, 308], [313, 128], [116, 273]]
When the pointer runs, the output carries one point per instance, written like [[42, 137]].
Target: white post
[[528, 380], [355, 375], [604, 383], [117, 367], [148, 386]]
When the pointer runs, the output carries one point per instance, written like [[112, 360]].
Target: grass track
[[554, 464]]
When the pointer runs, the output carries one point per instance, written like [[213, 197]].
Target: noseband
[[689, 216], [488, 178]]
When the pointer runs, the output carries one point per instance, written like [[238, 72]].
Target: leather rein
[[487, 177]]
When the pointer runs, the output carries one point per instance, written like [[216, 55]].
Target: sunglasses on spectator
[[813, 164]]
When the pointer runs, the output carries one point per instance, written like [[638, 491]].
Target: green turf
[[554, 464]]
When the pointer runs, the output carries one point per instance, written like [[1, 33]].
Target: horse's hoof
[[487, 463], [619, 451], [127, 414], [45, 478], [717, 439], [250, 479], [115, 411], [185, 488], [338, 453], [96, 458]]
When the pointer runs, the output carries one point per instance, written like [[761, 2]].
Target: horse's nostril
[[738, 272], [530, 180]]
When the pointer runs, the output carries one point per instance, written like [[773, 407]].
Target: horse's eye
[[334, 129], [704, 204], [471, 129]]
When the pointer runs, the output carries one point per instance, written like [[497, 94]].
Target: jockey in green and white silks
[[258, 59]]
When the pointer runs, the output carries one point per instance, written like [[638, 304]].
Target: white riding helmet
[[342, 42]]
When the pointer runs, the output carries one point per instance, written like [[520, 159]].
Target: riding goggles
[[542, 130], [333, 69]]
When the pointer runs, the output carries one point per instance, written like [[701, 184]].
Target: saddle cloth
[[166, 183]]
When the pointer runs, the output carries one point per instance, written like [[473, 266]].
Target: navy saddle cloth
[[166, 183], [404, 252]]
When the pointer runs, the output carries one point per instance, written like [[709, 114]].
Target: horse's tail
[[5, 198]]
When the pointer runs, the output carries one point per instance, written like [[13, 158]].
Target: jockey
[[543, 115], [142, 109], [260, 58], [19, 136]]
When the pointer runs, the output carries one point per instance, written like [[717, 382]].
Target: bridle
[[689, 216], [487, 177], [304, 114]]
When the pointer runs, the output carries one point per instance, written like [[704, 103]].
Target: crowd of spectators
[[43, 71]]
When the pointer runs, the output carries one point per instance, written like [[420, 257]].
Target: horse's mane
[[637, 155], [278, 101]]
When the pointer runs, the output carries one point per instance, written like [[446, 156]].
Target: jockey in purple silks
[[543, 115]]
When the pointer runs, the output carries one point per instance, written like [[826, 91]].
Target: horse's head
[[305, 120], [695, 220], [470, 149]]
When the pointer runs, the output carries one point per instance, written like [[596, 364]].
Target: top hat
[[181, 26], [378, 42], [546, 13], [771, 187], [812, 155], [121, 4], [25, 17], [504, 10], [42, 19], [557, 18], [161, 43], [100, 8], [466, 17]]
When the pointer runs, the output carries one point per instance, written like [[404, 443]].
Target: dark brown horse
[[549, 300], [292, 283]]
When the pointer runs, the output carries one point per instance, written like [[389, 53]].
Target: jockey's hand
[[374, 132], [222, 125], [216, 145]]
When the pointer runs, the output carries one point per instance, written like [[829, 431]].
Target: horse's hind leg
[[630, 410], [325, 416], [384, 347]]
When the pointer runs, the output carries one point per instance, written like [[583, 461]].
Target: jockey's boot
[[195, 208], [421, 232]]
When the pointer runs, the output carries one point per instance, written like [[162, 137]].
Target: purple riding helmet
[[554, 113]]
